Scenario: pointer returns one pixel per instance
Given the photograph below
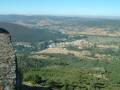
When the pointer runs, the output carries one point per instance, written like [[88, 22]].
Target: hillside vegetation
[[66, 53]]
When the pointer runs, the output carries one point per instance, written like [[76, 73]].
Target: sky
[[61, 7]]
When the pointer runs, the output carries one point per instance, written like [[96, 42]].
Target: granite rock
[[7, 62]]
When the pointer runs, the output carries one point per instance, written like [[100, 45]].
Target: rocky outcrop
[[7, 62]]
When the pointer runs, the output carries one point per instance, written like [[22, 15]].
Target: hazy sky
[[61, 7]]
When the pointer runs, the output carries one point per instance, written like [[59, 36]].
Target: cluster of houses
[[77, 43]]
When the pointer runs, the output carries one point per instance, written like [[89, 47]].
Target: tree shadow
[[25, 87]]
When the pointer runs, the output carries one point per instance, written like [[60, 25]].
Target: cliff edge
[[7, 62]]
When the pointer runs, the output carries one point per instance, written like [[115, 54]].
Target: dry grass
[[107, 46], [94, 31], [80, 54]]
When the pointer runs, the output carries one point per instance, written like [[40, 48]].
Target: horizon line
[[84, 16]]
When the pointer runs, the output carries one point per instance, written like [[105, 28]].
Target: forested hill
[[22, 33]]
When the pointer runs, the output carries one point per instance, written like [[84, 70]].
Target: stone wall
[[7, 62]]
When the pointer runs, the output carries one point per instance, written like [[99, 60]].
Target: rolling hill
[[22, 33]]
